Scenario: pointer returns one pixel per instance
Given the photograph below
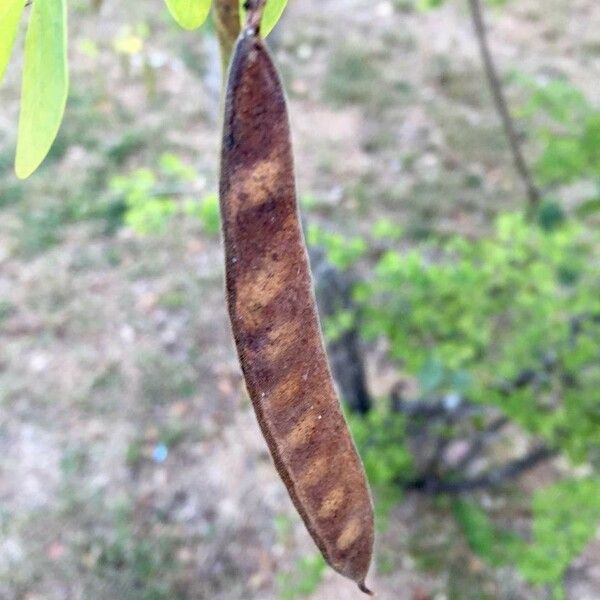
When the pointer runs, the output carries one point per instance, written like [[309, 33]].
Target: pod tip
[[362, 586]]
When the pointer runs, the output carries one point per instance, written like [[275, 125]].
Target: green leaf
[[431, 375], [189, 14], [45, 84], [496, 546], [425, 5], [273, 11], [563, 160], [550, 215], [588, 208], [565, 519], [10, 16]]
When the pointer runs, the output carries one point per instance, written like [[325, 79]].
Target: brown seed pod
[[274, 318]]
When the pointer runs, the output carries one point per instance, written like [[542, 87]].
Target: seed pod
[[274, 318]]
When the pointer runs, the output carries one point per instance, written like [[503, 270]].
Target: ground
[[131, 464]]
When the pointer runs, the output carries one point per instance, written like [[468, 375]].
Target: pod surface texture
[[274, 317]]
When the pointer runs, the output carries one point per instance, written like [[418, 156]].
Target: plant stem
[[227, 22], [492, 478], [533, 194]]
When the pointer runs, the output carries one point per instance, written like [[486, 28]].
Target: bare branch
[[451, 404], [492, 478], [495, 84]]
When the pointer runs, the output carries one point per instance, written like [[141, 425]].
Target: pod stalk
[[255, 10]]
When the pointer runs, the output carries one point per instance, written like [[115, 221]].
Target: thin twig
[[495, 84]]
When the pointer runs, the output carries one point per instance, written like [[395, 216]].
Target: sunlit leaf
[[563, 160], [273, 11], [424, 5], [10, 15], [190, 14], [45, 84], [128, 44]]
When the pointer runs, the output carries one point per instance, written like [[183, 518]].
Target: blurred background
[[462, 316]]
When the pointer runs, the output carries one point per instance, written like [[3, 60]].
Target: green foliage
[[45, 72], [565, 517], [380, 438], [189, 14], [283, 525], [462, 317], [207, 212], [550, 215], [571, 156], [558, 99], [424, 5], [147, 200], [304, 580], [568, 130], [174, 169], [335, 326], [496, 546], [483, 310], [145, 213], [45, 84], [10, 15], [273, 11], [342, 252], [384, 229]]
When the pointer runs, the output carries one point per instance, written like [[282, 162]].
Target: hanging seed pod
[[274, 318]]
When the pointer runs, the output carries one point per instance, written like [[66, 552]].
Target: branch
[[456, 406], [533, 193], [227, 23], [450, 405], [480, 441], [490, 479]]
